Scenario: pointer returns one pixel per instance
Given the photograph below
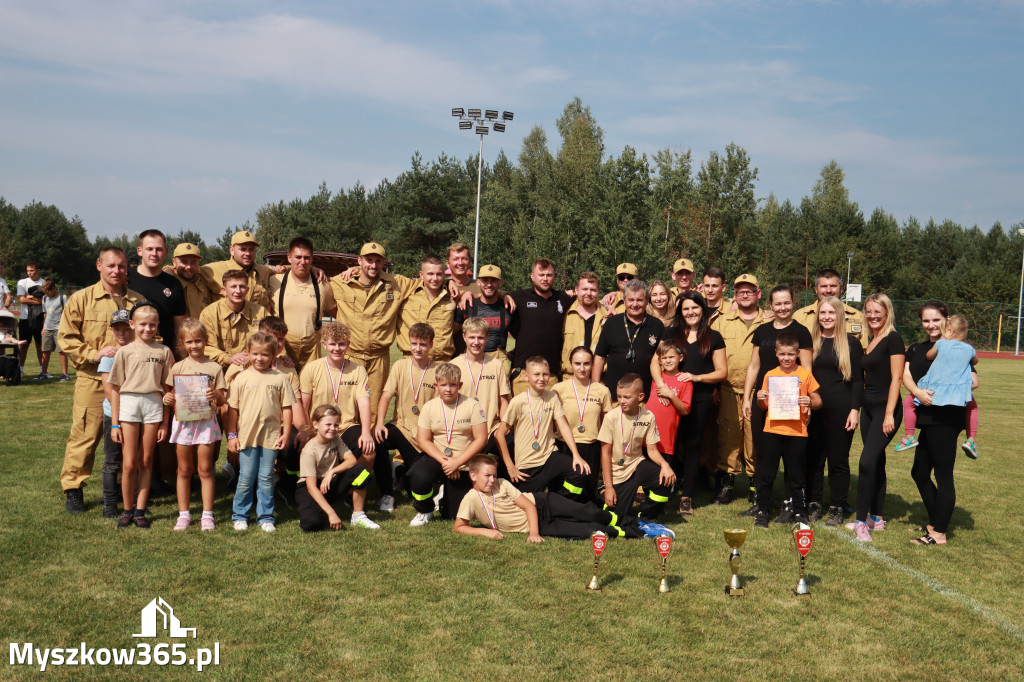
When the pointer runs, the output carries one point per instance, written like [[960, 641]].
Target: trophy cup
[[664, 543], [803, 538], [735, 537], [598, 541]]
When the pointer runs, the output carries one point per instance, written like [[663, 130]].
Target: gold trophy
[[664, 543], [598, 541], [803, 538], [735, 538]]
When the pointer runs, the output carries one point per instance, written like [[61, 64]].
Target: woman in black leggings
[[837, 370], [881, 414], [704, 364]]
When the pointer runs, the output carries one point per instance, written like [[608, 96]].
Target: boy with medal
[[626, 431], [486, 376], [411, 383], [534, 414], [451, 429]]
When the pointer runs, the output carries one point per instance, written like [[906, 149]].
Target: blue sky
[[193, 114]]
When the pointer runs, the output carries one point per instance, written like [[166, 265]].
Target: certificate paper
[[783, 397], [190, 401]]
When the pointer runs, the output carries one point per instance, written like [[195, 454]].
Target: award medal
[[474, 380], [490, 516], [335, 388], [448, 431], [582, 407], [535, 424], [626, 444], [416, 388]]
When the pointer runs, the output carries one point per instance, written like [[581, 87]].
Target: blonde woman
[[881, 411], [837, 369], [659, 302]]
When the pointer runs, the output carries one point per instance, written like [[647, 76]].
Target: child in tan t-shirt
[[138, 417]]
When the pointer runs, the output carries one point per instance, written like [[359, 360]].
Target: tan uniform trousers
[[520, 384], [86, 433], [377, 367], [301, 351], [735, 440]]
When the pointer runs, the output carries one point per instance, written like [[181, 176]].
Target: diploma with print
[[190, 401], [783, 398]]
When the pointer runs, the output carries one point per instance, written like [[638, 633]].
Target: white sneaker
[[437, 499], [241, 525], [421, 519], [268, 527], [363, 521], [387, 503]]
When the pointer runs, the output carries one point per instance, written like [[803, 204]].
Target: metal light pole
[[480, 125], [849, 267], [1020, 297]]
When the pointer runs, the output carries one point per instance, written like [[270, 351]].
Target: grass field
[[407, 603]]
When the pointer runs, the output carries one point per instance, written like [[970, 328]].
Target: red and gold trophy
[[803, 538], [664, 543], [598, 541]]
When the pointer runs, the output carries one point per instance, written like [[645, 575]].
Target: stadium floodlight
[[471, 119]]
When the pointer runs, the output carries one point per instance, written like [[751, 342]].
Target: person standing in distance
[[30, 326]]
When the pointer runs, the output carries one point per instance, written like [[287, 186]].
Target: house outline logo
[[159, 611]]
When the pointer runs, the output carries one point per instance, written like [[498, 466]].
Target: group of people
[[604, 410], [40, 306]]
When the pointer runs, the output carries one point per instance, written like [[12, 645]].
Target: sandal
[[924, 540]]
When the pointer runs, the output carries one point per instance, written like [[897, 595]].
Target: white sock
[[208, 513], [184, 515]]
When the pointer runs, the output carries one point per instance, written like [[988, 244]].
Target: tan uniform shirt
[[738, 345], [229, 331], [594, 403], [258, 276], [198, 294], [288, 372], [412, 387], [85, 325], [636, 432], [371, 312], [329, 386], [317, 459], [532, 420], [572, 333], [439, 314], [466, 414], [487, 384], [260, 398], [299, 304], [855, 323], [141, 368], [499, 505]]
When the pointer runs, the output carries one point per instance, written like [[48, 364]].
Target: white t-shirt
[[23, 286], [4, 290], [53, 306]]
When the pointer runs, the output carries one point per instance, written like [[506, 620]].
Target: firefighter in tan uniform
[[430, 302], [230, 321], [828, 283], [85, 337], [243, 256], [613, 302], [368, 303], [301, 301], [735, 441], [200, 289], [584, 320], [682, 275]]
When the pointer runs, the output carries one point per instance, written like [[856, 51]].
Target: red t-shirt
[[666, 416]]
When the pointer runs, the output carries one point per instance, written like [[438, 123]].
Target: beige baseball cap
[[746, 278], [625, 269], [243, 237], [186, 249], [372, 248], [683, 264], [489, 271]]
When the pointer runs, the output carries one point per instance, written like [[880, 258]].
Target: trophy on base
[[735, 537], [664, 543], [598, 541], [803, 538]]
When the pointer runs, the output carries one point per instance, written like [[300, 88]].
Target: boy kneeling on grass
[[327, 471], [498, 505]]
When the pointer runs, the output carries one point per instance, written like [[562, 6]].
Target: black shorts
[[26, 330]]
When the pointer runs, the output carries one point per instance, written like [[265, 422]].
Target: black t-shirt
[[166, 293], [919, 364], [537, 326], [695, 363], [833, 389], [614, 345], [497, 317], [764, 338], [877, 370]]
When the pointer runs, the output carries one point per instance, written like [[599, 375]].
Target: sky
[[192, 114]]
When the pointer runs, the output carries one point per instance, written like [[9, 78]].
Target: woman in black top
[[704, 364], [761, 362], [837, 370], [881, 414], [940, 426]]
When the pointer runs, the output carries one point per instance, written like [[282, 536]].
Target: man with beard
[[200, 291], [243, 255]]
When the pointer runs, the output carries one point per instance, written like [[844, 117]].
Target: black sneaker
[[74, 502], [685, 507], [141, 521], [786, 514], [835, 516], [752, 511], [814, 511], [126, 519], [725, 491], [110, 510], [761, 518]]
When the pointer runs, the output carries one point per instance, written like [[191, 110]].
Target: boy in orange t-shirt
[[784, 437]]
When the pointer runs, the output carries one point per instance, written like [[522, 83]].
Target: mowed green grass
[[405, 603]]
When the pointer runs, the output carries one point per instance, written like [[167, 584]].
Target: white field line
[[974, 605]]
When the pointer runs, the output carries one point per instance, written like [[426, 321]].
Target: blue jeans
[[255, 466]]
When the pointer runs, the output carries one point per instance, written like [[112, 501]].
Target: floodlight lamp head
[[506, 115], [458, 113], [465, 125], [474, 113], [499, 127], [482, 130], [491, 114]]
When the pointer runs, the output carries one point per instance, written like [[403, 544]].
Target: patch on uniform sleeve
[[855, 329], [482, 415]]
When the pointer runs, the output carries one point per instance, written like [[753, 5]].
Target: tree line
[[589, 210]]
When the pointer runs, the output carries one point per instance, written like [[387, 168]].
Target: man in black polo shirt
[[160, 288], [537, 324], [628, 340]]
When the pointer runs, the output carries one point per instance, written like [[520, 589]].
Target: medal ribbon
[[475, 381], [335, 387], [581, 407], [449, 431], [490, 516], [627, 444], [535, 425], [415, 387]]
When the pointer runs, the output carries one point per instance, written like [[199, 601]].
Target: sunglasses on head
[[626, 278]]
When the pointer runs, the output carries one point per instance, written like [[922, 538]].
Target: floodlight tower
[[480, 121]]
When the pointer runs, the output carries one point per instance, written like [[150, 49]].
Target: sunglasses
[[626, 278]]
